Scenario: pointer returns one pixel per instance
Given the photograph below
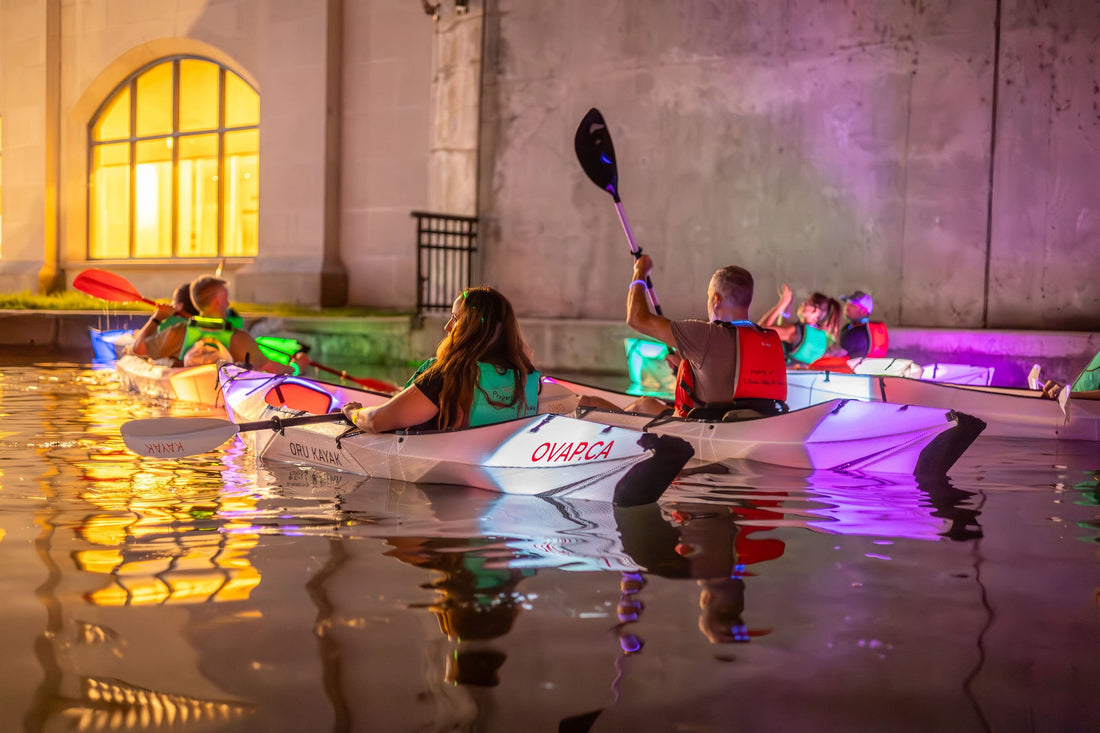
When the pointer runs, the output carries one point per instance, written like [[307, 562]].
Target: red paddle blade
[[108, 286]]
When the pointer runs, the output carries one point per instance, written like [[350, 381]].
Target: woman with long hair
[[481, 374], [816, 331]]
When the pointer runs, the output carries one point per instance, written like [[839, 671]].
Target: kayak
[[107, 346], [1006, 411], [544, 455], [840, 434], [650, 373], [192, 384]]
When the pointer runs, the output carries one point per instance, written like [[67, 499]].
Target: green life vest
[[1089, 379], [420, 370], [810, 347], [170, 321], [234, 319], [199, 329], [492, 383]]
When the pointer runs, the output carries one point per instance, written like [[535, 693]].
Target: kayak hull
[[544, 455], [191, 384], [1007, 412], [846, 435], [109, 345]]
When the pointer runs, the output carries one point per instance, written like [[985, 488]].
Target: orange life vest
[[761, 371], [880, 340]]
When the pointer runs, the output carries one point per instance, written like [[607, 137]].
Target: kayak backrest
[[745, 409], [301, 396]]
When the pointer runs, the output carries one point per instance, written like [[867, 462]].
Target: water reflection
[[237, 595], [900, 507]]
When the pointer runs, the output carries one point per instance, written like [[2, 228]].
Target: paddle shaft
[[289, 422], [637, 252], [376, 384]]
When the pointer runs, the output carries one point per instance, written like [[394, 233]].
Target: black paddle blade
[[596, 154]]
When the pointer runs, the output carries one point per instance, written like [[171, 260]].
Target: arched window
[[174, 164]]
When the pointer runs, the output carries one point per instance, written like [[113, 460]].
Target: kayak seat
[[743, 409]]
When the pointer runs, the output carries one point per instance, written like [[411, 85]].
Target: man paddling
[[210, 296], [727, 362]]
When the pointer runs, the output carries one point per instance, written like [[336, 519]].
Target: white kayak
[[846, 435], [545, 455], [192, 384], [1006, 411]]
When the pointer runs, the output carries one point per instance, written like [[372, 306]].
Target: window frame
[[132, 141]]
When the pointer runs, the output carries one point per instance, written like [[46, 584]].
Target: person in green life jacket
[[481, 374], [210, 296], [813, 335]]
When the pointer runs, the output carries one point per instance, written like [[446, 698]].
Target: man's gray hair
[[734, 284]]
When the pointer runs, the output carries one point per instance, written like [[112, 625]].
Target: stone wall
[[833, 145]]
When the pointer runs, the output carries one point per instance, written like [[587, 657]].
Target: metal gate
[[445, 246]]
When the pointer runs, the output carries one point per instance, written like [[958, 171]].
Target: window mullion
[[174, 239], [221, 161], [132, 225]]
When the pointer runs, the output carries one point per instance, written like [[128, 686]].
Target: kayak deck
[[545, 455], [844, 435]]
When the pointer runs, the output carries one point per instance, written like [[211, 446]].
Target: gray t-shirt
[[714, 345]]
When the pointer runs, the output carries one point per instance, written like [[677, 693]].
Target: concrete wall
[[387, 77], [23, 109], [834, 145]]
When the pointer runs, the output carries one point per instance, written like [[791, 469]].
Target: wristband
[[635, 282], [786, 315], [157, 320], [296, 368]]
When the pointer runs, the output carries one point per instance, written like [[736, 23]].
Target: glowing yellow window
[[1, 200], [174, 165]]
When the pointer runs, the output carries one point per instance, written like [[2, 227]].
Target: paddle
[[376, 384], [597, 157], [108, 286], [176, 437]]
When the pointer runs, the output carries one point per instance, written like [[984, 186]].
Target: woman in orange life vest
[[816, 332], [723, 359], [481, 374]]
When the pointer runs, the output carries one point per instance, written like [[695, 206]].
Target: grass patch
[[77, 301]]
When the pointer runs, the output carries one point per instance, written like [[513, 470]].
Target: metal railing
[[445, 247]]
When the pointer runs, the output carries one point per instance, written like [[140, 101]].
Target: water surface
[[219, 593]]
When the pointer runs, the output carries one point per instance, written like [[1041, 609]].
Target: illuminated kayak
[[846, 435], [545, 455], [192, 384], [107, 346], [1006, 411]]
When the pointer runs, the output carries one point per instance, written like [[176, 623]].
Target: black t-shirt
[[855, 338]]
